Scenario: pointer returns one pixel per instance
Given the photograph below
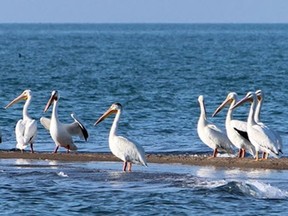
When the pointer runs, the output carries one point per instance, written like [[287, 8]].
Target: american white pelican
[[277, 137], [124, 149], [26, 128], [259, 136], [236, 130], [62, 133], [210, 134]]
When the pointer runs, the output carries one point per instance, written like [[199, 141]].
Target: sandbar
[[166, 158]]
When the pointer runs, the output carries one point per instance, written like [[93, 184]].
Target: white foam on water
[[226, 155], [262, 190], [209, 184], [62, 174], [53, 164]]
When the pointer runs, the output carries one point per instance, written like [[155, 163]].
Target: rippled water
[[92, 188], [156, 72]]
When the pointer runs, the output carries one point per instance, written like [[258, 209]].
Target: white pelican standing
[[62, 133], [277, 137], [121, 147], [236, 130], [260, 137], [26, 128], [210, 134]]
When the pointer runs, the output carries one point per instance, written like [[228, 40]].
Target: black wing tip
[[84, 131], [244, 134]]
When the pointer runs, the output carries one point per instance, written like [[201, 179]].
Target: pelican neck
[[114, 127]]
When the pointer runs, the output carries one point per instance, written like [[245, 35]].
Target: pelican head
[[54, 97], [202, 105], [232, 96], [24, 96], [201, 98], [114, 108], [249, 97], [259, 95]]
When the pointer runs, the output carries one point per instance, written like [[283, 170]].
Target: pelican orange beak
[[105, 115], [51, 100], [227, 100], [22, 96], [248, 97]]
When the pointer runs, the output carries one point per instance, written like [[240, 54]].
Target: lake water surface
[[157, 73]]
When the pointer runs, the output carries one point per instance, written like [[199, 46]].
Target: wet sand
[[167, 158]]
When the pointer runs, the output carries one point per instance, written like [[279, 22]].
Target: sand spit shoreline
[[163, 158]]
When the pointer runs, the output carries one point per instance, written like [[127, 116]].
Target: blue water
[[157, 73], [43, 187]]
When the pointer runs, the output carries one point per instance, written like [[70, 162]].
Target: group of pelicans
[[26, 131], [252, 136]]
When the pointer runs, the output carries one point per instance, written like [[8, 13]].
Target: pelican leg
[[129, 166], [240, 153], [68, 149], [257, 156], [215, 152], [243, 153], [31, 146], [56, 149], [266, 156], [124, 166]]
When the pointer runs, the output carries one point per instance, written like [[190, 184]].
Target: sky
[[143, 11]]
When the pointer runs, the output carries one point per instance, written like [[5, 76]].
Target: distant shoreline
[[162, 158]]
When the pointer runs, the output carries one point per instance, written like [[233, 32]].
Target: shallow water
[[101, 188], [157, 72]]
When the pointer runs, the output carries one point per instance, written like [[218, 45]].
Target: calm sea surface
[[157, 73]]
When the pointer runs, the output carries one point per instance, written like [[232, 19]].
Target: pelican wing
[[77, 128], [129, 151], [244, 134], [259, 135], [220, 139], [214, 128], [45, 122], [242, 140], [241, 128], [239, 125], [279, 142], [26, 132], [273, 144], [274, 136], [19, 131], [30, 131]]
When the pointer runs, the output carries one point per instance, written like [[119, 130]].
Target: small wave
[[210, 184], [62, 174], [263, 191], [256, 189]]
